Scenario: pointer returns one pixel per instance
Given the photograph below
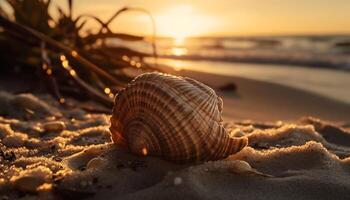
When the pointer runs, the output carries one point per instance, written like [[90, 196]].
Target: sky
[[184, 18]]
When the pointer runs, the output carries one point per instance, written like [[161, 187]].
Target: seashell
[[176, 118], [54, 126]]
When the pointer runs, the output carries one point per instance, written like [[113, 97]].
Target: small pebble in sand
[[37, 128], [13, 141], [95, 163], [29, 183], [50, 118], [55, 126], [241, 166], [177, 180]]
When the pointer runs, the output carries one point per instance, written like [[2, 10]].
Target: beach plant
[[72, 61]]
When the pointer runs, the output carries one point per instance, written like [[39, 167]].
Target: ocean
[[318, 64], [317, 51]]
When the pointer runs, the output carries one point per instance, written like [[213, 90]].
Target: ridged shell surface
[[172, 117]]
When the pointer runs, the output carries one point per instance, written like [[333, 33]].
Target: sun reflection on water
[[179, 51], [179, 41], [178, 48]]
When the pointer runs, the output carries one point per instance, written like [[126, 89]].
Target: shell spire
[[176, 118]]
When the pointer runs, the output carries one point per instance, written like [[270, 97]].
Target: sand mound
[[60, 151]]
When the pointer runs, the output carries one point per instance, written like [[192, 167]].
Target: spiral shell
[[176, 118]]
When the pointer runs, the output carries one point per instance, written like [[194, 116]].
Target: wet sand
[[263, 101], [330, 82]]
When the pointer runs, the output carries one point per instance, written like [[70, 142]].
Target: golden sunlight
[[179, 41], [177, 51], [183, 21]]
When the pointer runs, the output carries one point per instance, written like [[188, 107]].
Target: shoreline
[[264, 101], [256, 61], [327, 82]]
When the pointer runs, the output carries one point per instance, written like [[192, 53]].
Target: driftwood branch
[[154, 31], [67, 50], [47, 71], [98, 96]]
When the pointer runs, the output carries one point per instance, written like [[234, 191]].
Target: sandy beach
[[63, 152]]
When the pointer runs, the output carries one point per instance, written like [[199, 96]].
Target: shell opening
[[138, 146]]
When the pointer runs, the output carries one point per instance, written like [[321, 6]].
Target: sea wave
[[316, 51]]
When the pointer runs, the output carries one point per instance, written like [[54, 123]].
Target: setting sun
[[182, 18], [183, 21]]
